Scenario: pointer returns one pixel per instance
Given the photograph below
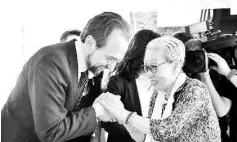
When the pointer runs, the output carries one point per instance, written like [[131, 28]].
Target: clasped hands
[[109, 108]]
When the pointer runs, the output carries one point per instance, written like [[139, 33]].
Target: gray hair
[[174, 49]]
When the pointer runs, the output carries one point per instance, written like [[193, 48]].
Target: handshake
[[109, 108]]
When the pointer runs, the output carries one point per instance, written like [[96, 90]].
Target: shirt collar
[[82, 67], [179, 82]]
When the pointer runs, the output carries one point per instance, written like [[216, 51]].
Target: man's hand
[[101, 112], [114, 106], [222, 66]]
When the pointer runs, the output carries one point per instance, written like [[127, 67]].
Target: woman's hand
[[137, 135], [114, 106], [222, 66]]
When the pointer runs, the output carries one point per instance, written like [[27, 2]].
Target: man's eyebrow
[[111, 57]]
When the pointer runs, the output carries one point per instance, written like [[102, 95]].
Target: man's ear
[[91, 43]]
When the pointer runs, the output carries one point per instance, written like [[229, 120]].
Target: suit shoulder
[[52, 53], [116, 84], [117, 79], [49, 57]]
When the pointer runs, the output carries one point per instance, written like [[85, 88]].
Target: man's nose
[[112, 66], [150, 74]]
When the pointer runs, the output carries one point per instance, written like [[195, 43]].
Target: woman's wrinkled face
[[160, 72]]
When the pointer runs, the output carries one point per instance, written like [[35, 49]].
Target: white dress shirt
[[82, 67]]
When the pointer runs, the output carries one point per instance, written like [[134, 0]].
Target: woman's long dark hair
[[132, 62]]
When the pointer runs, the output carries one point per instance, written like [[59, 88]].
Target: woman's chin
[[154, 82], [155, 85]]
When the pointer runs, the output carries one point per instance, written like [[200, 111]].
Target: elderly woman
[[180, 108]]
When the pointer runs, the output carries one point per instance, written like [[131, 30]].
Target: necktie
[[82, 87]]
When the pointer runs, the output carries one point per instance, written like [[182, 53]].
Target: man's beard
[[95, 69]]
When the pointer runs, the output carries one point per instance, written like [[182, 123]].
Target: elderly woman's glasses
[[152, 68]]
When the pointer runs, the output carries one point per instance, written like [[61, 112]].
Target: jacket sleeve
[[184, 116], [116, 130], [47, 82]]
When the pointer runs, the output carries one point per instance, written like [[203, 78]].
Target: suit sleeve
[[116, 130], [48, 82]]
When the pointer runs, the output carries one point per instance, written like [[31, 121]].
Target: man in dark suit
[[53, 97]]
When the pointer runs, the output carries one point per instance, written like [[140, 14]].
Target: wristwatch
[[231, 74]]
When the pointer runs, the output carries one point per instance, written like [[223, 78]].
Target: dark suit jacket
[[41, 105], [127, 89]]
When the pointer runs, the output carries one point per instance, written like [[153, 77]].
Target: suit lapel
[[94, 90], [73, 66], [134, 97]]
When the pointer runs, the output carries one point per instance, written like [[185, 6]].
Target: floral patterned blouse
[[193, 118]]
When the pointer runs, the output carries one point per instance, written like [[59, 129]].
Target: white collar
[[82, 66], [160, 100], [179, 82]]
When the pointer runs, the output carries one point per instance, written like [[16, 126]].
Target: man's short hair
[[66, 34], [100, 26]]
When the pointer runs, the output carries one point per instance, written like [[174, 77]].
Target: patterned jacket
[[193, 118]]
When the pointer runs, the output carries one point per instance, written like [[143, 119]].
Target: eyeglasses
[[152, 68]]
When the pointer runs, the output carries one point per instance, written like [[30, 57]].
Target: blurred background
[[27, 26]]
